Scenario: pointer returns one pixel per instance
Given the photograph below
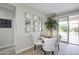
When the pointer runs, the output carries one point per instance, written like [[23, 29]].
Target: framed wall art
[[5, 23], [27, 22], [27, 29]]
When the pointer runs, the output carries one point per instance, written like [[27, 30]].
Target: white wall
[[6, 34], [72, 13], [23, 40]]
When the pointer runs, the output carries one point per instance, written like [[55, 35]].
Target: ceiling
[[6, 5], [58, 8]]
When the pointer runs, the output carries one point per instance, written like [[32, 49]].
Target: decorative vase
[[49, 34]]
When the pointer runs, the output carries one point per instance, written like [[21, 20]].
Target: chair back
[[49, 44], [58, 40], [35, 37]]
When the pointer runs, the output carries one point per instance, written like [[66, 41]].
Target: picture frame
[[35, 23], [27, 15], [36, 20], [5, 23], [27, 29], [27, 22], [35, 17]]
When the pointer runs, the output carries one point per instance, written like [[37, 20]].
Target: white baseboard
[[6, 46], [24, 49]]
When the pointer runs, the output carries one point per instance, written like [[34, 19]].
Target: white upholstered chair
[[49, 45], [36, 40], [58, 41]]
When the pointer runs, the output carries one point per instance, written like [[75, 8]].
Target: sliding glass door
[[69, 29], [74, 29], [63, 28]]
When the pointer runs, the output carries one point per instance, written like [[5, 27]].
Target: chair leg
[[52, 52], [41, 48], [44, 52], [58, 47], [34, 47]]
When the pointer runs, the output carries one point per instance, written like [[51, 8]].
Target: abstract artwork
[[27, 29], [5, 23], [28, 22]]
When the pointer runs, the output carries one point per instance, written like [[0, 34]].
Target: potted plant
[[51, 24]]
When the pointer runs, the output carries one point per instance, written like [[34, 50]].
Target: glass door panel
[[74, 29], [63, 28]]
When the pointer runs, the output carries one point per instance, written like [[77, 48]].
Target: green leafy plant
[[51, 23]]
